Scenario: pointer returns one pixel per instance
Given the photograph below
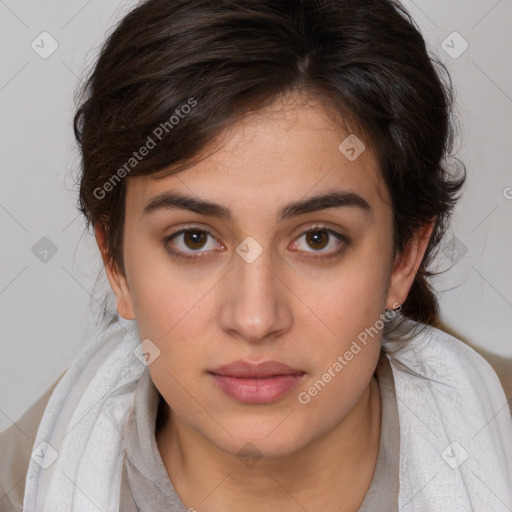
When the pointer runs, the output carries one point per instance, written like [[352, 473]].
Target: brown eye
[[191, 244], [317, 239], [194, 239]]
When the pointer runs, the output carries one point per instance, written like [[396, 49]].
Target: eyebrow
[[335, 199]]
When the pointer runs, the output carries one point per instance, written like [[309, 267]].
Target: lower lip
[[257, 391]]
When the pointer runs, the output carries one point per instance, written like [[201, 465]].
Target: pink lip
[[247, 369], [252, 383]]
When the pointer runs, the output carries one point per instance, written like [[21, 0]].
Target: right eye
[[190, 243]]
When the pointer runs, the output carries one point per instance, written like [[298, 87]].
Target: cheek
[[351, 313], [163, 294], [354, 298], [346, 357], [332, 393], [179, 370]]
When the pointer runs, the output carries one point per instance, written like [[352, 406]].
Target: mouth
[[252, 383]]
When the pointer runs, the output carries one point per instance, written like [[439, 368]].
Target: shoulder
[[453, 414], [459, 383], [16, 445], [445, 359]]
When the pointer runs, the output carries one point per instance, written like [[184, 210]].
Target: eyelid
[[319, 226]]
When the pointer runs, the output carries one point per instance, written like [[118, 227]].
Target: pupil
[[317, 237], [196, 237]]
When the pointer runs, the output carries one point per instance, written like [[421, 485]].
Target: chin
[[249, 440]]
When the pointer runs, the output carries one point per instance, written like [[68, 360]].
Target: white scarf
[[455, 428]]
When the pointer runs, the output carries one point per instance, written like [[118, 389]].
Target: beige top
[[146, 486]]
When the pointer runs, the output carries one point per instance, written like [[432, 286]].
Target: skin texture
[[288, 305]]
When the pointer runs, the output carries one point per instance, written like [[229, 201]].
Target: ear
[[115, 277], [406, 266]]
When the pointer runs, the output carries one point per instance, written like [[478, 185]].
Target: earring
[[394, 309]]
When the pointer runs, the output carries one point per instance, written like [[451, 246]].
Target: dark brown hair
[[365, 59]]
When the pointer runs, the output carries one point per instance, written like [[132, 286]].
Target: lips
[[256, 370], [261, 383]]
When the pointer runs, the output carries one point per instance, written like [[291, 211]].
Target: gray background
[[48, 301]]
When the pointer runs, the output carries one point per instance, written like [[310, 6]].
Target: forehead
[[288, 150]]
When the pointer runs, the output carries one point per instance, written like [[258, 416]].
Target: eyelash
[[190, 259]]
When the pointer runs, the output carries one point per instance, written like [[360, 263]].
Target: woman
[[267, 185]]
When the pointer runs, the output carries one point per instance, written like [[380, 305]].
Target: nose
[[256, 302]]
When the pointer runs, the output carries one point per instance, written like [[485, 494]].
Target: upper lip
[[247, 369]]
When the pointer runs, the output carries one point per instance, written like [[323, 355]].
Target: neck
[[332, 473]]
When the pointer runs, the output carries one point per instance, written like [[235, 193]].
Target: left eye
[[319, 238]]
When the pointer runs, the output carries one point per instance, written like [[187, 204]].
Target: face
[[264, 280]]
